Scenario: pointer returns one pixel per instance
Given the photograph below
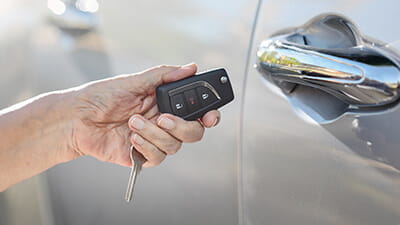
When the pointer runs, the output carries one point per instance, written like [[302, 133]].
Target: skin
[[100, 119]]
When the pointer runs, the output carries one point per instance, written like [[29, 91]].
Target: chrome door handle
[[354, 68]]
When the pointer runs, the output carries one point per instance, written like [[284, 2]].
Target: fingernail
[[137, 139], [137, 123], [166, 123], [188, 65], [215, 122]]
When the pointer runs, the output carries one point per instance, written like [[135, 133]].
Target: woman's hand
[[103, 108]]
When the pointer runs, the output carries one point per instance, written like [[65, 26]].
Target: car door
[[307, 157]]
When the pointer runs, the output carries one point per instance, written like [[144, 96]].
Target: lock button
[[178, 105]]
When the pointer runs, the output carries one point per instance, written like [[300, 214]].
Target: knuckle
[[153, 155], [201, 134], [107, 156], [162, 66], [194, 136], [158, 160], [173, 148]]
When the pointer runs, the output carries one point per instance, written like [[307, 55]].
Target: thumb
[[149, 80]]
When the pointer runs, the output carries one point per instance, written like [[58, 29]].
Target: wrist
[[57, 126], [36, 135], [65, 117]]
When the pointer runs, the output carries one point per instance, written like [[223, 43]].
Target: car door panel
[[296, 170]]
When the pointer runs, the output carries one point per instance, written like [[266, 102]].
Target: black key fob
[[192, 97]]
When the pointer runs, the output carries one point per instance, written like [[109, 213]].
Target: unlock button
[[178, 105], [207, 97]]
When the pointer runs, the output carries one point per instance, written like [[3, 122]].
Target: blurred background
[[57, 44]]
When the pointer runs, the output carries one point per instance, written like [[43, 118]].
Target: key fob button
[[192, 100], [207, 97], [192, 97], [178, 105]]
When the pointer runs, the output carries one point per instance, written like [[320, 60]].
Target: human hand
[[103, 109]]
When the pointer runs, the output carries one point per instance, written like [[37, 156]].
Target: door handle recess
[[329, 53]]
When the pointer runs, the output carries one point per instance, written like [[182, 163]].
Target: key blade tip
[[127, 199]]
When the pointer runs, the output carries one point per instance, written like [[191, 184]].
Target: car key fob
[[192, 97]]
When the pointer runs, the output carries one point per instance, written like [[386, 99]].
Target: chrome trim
[[366, 74]]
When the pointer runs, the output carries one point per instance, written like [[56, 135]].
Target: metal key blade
[[135, 169]]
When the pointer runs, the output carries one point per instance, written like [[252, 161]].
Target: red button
[[192, 101]]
